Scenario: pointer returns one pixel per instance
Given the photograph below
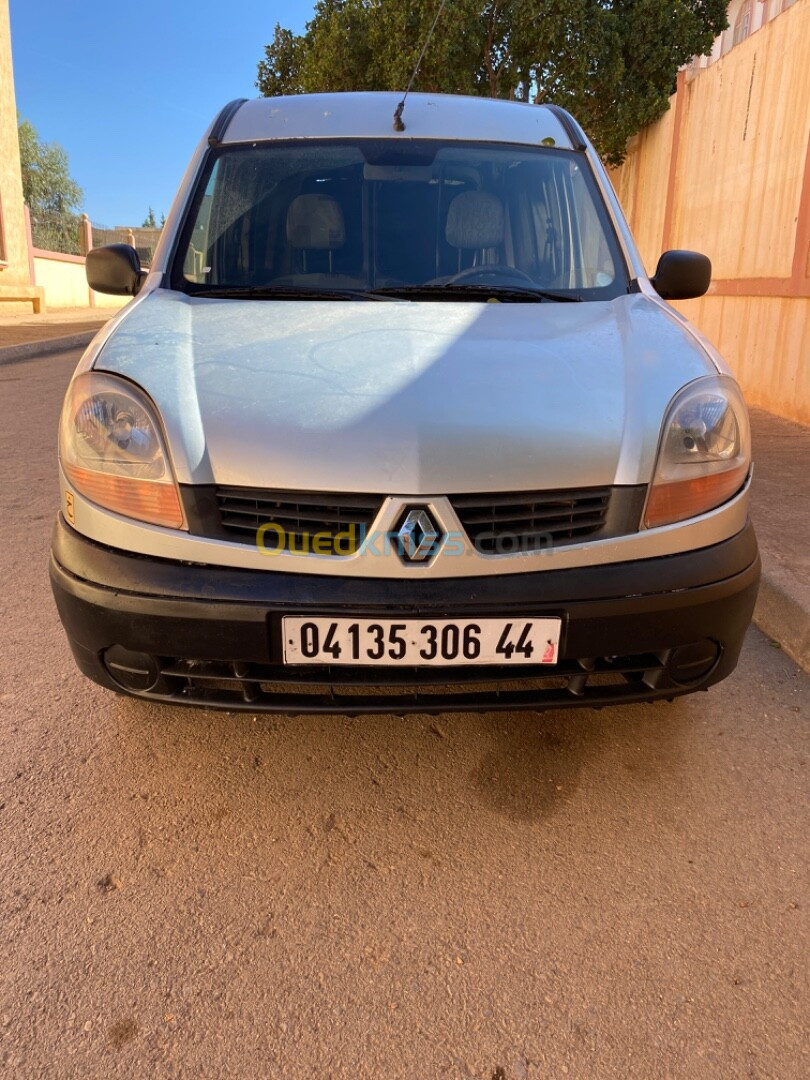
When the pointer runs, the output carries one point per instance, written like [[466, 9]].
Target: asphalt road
[[615, 894]]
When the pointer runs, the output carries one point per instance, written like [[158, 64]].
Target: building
[[745, 17], [16, 268]]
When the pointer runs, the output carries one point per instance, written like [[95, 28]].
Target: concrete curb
[[12, 354], [784, 619]]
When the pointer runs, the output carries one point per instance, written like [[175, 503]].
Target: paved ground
[[21, 329], [594, 895], [781, 507]]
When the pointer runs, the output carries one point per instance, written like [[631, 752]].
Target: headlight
[[705, 452], [113, 452]]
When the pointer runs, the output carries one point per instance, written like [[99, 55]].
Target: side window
[[232, 240], [571, 247], [550, 226], [222, 244], [594, 262], [195, 266], [548, 236]]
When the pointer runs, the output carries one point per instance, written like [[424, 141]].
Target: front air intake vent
[[300, 521], [506, 523]]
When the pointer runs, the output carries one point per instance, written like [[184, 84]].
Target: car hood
[[407, 398]]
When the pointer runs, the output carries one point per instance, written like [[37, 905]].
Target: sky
[[128, 89]]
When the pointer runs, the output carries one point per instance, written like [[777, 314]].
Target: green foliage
[[50, 193], [149, 221], [612, 63], [47, 184], [279, 71]]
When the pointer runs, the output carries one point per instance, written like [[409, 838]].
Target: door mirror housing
[[114, 269], [682, 275]]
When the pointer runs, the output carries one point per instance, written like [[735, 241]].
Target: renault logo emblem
[[418, 536]]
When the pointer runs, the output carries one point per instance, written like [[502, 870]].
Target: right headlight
[[705, 452], [113, 452]]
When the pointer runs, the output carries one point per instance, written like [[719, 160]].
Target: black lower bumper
[[211, 636]]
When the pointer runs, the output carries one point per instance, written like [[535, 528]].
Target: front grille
[[301, 521], [496, 523], [351, 690], [503, 524]]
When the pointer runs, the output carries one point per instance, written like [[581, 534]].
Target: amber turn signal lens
[[146, 500], [681, 499]]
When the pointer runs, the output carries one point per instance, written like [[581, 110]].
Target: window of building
[[742, 27]]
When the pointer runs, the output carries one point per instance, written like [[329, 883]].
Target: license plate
[[421, 642]]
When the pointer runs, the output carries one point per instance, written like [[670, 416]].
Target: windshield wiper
[[448, 291], [451, 291], [284, 292]]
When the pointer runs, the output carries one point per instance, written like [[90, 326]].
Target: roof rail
[[220, 125], [572, 128]]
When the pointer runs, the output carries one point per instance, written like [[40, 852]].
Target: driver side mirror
[[682, 275], [114, 269]]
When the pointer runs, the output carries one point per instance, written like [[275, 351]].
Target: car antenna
[[399, 123]]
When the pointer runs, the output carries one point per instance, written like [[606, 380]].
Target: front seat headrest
[[315, 223], [475, 220]]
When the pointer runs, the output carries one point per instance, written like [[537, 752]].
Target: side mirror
[[114, 269], [682, 275]]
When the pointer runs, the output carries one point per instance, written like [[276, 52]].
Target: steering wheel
[[491, 275]]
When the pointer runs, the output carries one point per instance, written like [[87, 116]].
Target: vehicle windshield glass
[[385, 214]]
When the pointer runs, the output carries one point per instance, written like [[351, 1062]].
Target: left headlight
[[113, 452], [705, 452]]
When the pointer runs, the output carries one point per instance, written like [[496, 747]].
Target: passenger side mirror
[[114, 269], [682, 275]]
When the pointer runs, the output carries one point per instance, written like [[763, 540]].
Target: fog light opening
[[134, 671], [689, 664]]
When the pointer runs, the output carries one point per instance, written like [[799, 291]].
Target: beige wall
[[727, 171], [63, 278], [102, 300], [64, 282]]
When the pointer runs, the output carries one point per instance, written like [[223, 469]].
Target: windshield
[[392, 215]]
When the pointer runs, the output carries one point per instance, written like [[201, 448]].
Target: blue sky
[[128, 89]]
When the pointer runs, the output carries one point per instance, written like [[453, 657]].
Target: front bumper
[[211, 636]]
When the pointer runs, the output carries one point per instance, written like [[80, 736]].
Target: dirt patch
[[122, 1032]]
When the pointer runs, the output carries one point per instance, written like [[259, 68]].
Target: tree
[[374, 45], [50, 193], [612, 63], [149, 222], [278, 72], [47, 184]]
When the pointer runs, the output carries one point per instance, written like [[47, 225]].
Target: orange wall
[[727, 171]]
